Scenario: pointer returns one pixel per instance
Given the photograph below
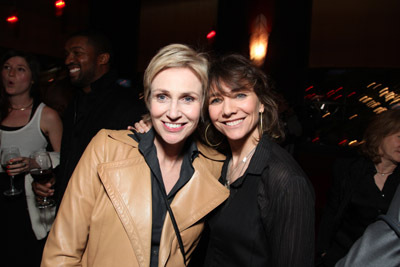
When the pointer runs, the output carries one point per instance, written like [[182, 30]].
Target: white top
[[29, 139]]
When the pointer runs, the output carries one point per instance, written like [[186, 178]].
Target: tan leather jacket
[[105, 215]]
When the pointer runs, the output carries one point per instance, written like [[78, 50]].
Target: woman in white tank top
[[28, 125]]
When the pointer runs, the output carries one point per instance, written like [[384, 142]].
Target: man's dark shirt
[[159, 208], [108, 106]]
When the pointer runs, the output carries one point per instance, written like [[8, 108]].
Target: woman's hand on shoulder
[[141, 126]]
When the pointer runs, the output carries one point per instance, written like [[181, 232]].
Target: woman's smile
[[175, 105]]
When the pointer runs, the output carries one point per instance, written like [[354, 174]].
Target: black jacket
[[109, 105]]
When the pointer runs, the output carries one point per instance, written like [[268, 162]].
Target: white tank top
[[28, 138]]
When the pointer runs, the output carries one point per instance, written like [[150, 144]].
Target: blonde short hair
[[176, 56]]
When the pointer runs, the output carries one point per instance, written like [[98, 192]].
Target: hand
[[44, 190], [18, 165], [141, 126]]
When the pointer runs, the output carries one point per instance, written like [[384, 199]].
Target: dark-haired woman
[[30, 125], [362, 188], [268, 219]]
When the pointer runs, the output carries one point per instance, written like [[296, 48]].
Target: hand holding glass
[[7, 154], [42, 172]]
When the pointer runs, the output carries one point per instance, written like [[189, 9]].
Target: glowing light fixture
[[12, 19], [259, 40], [343, 142], [379, 110], [316, 139], [376, 86], [352, 143], [309, 88], [337, 97], [340, 88], [326, 115], [352, 93], [330, 93], [59, 5], [354, 116], [211, 34]]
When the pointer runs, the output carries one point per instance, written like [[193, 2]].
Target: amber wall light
[[259, 40]]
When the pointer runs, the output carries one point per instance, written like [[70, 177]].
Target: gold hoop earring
[[208, 142], [261, 124]]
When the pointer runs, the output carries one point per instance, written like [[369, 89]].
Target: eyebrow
[[168, 91], [18, 65], [219, 92], [75, 48]]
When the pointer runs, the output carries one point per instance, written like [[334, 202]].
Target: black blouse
[[268, 219], [159, 208]]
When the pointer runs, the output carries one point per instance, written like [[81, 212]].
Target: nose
[[228, 107], [11, 72], [68, 58], [174, 112]]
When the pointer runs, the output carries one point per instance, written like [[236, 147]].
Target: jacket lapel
[[192, 203], [128, 186]]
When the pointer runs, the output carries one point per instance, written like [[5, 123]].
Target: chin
[[173, 141]]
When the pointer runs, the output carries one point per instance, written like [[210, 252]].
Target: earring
[[208, 142], [261, 130]]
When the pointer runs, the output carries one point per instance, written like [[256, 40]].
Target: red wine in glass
[[42, 172], [42, 176]]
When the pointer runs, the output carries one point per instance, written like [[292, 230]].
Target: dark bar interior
[[330, 60]]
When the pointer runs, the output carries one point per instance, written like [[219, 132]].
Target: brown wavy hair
[[380, 126], [237, 72]]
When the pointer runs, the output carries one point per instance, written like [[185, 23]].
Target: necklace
[[382, 173], [241, 164], [23, 108]]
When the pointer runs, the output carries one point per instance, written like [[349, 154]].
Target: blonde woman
[[141, 199]]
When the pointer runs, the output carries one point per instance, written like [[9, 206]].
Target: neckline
[[36, 107], [23, 108]]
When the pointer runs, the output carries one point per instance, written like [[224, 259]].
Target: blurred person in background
[[100, 101], [362, 189]]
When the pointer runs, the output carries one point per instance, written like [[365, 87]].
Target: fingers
[[43, 190], [17, 166], [142, 126], [146, 125], [139, 128]]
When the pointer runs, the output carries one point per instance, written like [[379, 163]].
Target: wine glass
[[7, 154], [42, 172]]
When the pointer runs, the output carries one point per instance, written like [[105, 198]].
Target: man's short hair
[[98, 40]]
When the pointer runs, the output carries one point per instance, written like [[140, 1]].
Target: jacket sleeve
[[66, 242], [288, 216], [379, 244]]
